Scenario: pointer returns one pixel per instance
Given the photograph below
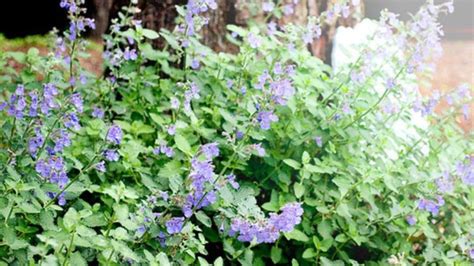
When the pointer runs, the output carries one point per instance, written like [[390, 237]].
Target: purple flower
[[346, 108], [174, 103], [115, 134], [290, 216], [229, 83], [192, 93], [76, 100], [62, 199], [171, 130], [231, 180], [201, 172], [466, 172], [243, 90], [390, 83], [239, 135], [345, 11], [83, 79], [100, 166], [254, 40], [268, 6], [267, 231], [62, 140], [271, 27], [266, 118], [288, 9], [465, 111], [20, 90], [97, 113], [210, 150], [71, 121], [35, 142], [174, 225], [141, 229], [164, 195], [281, 91], [111, 155], [53, 170], [411, 220], [130, 54], [195, 63], [319, 141], [471, 253], [259, 149], [168, 151], [34, 104], [445, 183], [162, 239], [430, 206]]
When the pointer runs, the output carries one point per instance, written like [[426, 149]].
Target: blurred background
[[23, 23]]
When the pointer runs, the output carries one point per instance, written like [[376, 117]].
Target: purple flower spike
[[115, 134], [174, 225]]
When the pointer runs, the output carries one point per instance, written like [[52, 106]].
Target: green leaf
[[275, 254], [182, 144], [219, 262], [309, 253], [150, 34], [124, 250], [13, 173], [163, 259], [203, 218], [327, 262], [203, 261], [299, 190], [294, 164], [47, 220], [71, 219], [325, 229], [77, 259], [297, 235], [305, 158], [29, 208]]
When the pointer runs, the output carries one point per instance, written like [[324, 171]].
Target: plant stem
[[68, 254]]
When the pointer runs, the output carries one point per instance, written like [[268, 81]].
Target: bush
[[187, 156]]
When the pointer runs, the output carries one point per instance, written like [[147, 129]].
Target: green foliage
[[358, 179]]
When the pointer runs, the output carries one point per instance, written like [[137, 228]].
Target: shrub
[[184, 155]]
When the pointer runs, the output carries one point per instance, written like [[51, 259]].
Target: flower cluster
[[192, 19], [202, 173], [466, 171], [267, 230], [174, 225], [430, 205], [276, 90]]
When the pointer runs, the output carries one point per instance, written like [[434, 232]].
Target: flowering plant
[[183, 155]]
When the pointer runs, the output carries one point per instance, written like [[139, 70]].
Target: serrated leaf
[[297, 235], [150, 34], [309, 253], [275, 254], [204, 219], [182, 144], [77, 259], [299, 190], [292, 163]]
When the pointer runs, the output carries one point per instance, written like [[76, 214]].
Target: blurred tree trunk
[[158, 14]]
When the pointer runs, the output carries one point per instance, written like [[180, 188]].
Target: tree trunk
[[158, 14]]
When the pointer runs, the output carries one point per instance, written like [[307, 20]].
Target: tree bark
[[158, 14]]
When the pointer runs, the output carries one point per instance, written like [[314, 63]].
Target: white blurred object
[[347, 46]]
